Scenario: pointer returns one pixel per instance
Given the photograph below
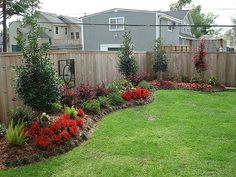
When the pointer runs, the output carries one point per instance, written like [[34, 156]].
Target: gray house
[[104, 30]]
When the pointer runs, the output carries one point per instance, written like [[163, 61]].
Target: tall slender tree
[[127, 64]]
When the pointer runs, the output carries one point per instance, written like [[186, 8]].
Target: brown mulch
[[9, 152]]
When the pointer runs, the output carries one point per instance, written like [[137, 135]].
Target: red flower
[[80, 122], [80, 112], [64, 135]]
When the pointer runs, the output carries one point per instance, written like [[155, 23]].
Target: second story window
[[56, 30], [116, 24], [66, 32], [170, 26], [77, 35], [72, 35]]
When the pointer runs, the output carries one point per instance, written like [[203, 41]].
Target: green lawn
[[182, 133]]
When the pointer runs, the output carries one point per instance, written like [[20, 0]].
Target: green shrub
[[196, 79], [20, 114], [72, 111], [146, 85], [38, 84], [2, 130], [117, 86], [91, 106], [56, 107], [213, 81], [115, 98], [104, 102], [15, 134], [127, 64]]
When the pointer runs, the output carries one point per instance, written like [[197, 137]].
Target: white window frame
[[116, 29], [105, 47], [171, 27]]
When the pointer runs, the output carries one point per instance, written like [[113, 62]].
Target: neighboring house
[[185, 33], [60, 31], [104, 30], [233, 38]]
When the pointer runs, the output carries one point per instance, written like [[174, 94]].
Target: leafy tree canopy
[[201, 19]]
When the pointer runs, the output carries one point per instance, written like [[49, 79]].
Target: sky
[[225, 9]]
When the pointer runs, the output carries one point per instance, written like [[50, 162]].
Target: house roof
[[53, 18], [70, 20], [180, 14], [118, 9]]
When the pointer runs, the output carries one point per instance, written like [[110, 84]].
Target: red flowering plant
[[60, 130], [136, 93], [199, 58]]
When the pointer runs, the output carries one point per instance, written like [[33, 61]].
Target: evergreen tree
[[160, 59], [127, 63], [37, 84]]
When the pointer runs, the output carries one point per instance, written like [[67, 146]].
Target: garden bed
[[12, 156]]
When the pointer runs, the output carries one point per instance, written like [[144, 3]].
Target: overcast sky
[[225, 9]]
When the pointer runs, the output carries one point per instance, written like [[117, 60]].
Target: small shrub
[[100, 90], [85, 92], [91, 106], [115, 98], [20, 114], [213, 81], [71, 111], [196, 79], [136, 93], [104, 102], [70, 96], [146, 85], [56, 107], [117, 86], [15, 134], [137, 78], [2, 130]]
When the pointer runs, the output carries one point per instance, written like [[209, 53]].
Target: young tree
[[160, 59], [199, 58], [127, 64], [37, 84]]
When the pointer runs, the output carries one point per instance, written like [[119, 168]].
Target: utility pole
[[4, 11]]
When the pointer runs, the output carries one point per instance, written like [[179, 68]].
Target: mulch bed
[[11, 156]]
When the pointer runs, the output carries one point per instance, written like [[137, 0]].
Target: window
[[72, 35], [66, 32], [77, 35], [56, 30], [116, 24], [170, 25]]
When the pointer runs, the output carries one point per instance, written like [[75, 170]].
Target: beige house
[[62, 32]]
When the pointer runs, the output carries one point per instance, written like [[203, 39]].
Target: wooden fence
[[97, 67]]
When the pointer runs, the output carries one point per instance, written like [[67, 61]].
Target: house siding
[[143, 36], [169, 37]]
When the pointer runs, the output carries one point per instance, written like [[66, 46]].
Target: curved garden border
[[84, 135]]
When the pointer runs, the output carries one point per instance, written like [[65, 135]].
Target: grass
[[182, 133]]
